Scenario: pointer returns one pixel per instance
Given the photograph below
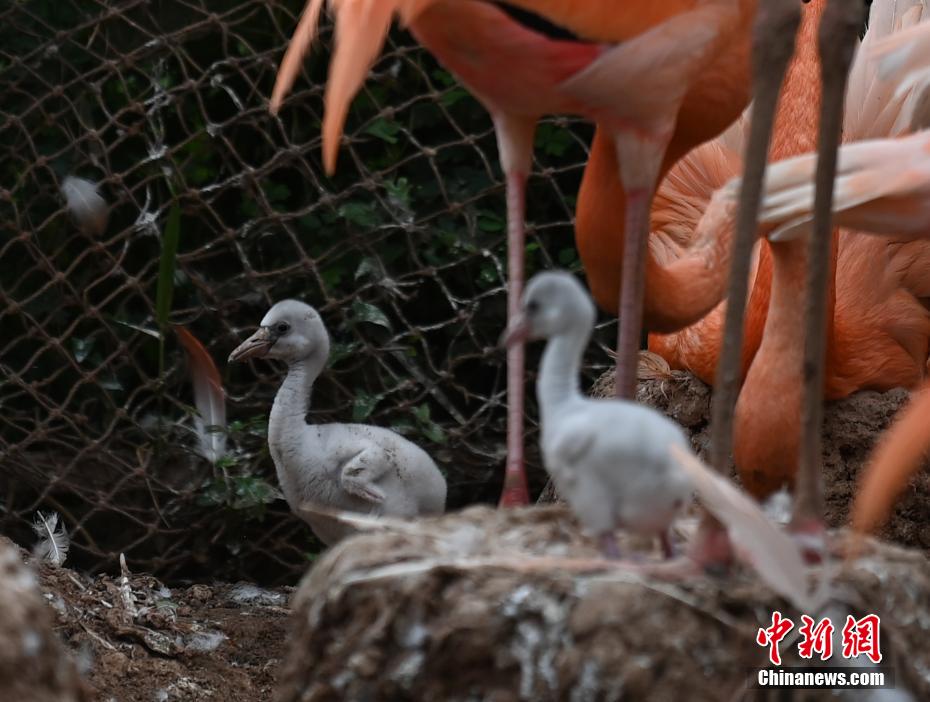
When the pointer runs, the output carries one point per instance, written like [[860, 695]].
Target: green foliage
[[247, 494], [402, 249], [367, 312], [553, 140], [363, 405], [239, 429]]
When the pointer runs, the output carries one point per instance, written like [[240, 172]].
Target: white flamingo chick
[[353, 467], [610, 459]]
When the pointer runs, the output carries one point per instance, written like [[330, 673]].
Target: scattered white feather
[[779, 507], [205, 641], [246, 594], [86, 205], [54, 541], [771, 552]]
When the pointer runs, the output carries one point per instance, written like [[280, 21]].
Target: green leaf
[[213, 493], [428, 427], [276, 192], [434, 433], [251, 491], [257, 426], [226, 462], [360, 213], [491, 222], [553, 140], [488, 274], [339, 351], [245, 493], [200, 175], [384, 129], [568, 256], [452, 96], [332, 276], [310, 222], [399, 191], [443, 76], [363, 405], [368, 266], [366, 312], [164, 291]]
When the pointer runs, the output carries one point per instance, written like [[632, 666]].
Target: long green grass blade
[[164, 292]]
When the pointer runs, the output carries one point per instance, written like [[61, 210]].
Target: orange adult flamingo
[[794, 133], [678, 216], [880, 327], [628, 67], [877, 316], [776, 29], [675, 296], [877, 107], [883, 187]]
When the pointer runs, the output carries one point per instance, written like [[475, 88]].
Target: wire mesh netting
[[163, 105]]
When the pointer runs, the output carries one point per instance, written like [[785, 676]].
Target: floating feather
[[770, 552], [86, 205], [209, 397], [54, 541]]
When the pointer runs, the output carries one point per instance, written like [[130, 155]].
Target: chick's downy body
[[615, 470], [341, 467]]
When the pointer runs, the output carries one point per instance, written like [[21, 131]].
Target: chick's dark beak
[[517, 332], [255, 346]]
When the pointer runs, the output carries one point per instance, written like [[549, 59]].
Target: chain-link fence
[[163, 104]]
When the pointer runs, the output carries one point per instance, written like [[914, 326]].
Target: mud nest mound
[[474, 606], [34, 666], [851, 427]]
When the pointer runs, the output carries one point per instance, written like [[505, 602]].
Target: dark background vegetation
[[164, 104]]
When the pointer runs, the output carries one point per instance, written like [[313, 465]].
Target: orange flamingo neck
[[767, 423], [798, 115], [795, 133]]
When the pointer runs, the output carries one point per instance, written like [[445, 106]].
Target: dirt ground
[[136, 640]]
